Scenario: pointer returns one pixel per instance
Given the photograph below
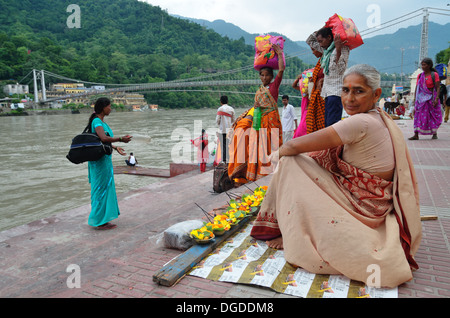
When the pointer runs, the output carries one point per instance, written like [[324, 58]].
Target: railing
[[181, 84]]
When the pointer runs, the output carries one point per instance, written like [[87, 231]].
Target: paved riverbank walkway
[[36, 259]]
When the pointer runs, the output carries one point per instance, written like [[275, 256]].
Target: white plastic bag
[[177, 236]]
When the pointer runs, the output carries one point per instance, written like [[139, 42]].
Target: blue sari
[[104, 204]]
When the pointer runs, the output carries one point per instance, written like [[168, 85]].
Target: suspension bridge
[[185, 86], [208, 82]]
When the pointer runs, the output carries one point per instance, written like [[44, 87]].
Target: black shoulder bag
[[88, 147]]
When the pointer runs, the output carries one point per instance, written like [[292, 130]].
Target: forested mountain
[[120, 41], [234, 32], [383, 51]]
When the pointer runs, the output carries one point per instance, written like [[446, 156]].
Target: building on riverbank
[[12, 89], [76, 91]]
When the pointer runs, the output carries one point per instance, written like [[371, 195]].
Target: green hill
[[121, 41]]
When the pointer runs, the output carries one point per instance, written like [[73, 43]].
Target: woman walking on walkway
[[104, 205], [428, 114]]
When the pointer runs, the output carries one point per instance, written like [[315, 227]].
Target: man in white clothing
[[288, 119], [224, 119], [131, 160]]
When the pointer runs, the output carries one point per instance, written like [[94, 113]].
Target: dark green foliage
[[120, 42]]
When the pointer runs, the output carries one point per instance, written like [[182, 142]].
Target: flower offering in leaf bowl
[[202, 235], [218, 227]]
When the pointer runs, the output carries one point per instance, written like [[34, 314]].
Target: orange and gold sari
[[315, 117], [250, 149]]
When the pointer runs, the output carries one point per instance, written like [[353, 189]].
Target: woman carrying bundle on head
[[258, 131]]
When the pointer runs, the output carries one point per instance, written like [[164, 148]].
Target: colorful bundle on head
[[306, 78], [347, 29], [264, 54]]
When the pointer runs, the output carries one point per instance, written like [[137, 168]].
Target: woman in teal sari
[[104, 205]]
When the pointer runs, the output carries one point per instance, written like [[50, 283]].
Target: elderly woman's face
[[358, 97]]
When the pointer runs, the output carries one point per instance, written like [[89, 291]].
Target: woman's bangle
[[120, 139]]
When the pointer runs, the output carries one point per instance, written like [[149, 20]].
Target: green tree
[[443, 56]]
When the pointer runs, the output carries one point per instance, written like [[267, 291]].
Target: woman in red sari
[[252, 141], [357, 205]]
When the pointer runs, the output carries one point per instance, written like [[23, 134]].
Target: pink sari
[[301, 129]]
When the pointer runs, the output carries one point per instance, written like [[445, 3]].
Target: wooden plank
[[172, 272], [428, 218], [143, 171]]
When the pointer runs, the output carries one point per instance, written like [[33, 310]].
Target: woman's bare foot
[[276, 243], [106, 226]]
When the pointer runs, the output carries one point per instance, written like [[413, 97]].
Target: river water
[[37, 181]]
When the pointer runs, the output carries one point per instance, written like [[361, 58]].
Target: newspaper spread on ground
[[244, 260]]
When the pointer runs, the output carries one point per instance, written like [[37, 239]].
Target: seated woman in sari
[[345, 198], [252, 141]]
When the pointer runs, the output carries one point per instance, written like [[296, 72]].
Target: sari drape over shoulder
[[250, 149], [342, 220]]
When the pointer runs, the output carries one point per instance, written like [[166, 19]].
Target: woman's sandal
[[106, 226], [434, 137], [413, 138]]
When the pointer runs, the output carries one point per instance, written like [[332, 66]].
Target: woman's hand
[[338, 43], [295, 84], [320, 84], [121, 151], [277, 49], [274, 159], [126, 139], [279, 53]]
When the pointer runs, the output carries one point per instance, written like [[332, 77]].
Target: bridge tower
[[44, 94], [424, 37], [36, 97], [39, 75]]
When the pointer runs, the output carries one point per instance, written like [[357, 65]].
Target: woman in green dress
[[104, 205]]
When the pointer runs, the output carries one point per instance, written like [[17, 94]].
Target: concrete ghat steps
[[121, 262], [34, 257]]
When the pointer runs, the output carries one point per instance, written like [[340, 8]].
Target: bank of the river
[[36, 179], [50, 111], [39, 259]]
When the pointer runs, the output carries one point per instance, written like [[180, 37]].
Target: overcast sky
[[298, 18]]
